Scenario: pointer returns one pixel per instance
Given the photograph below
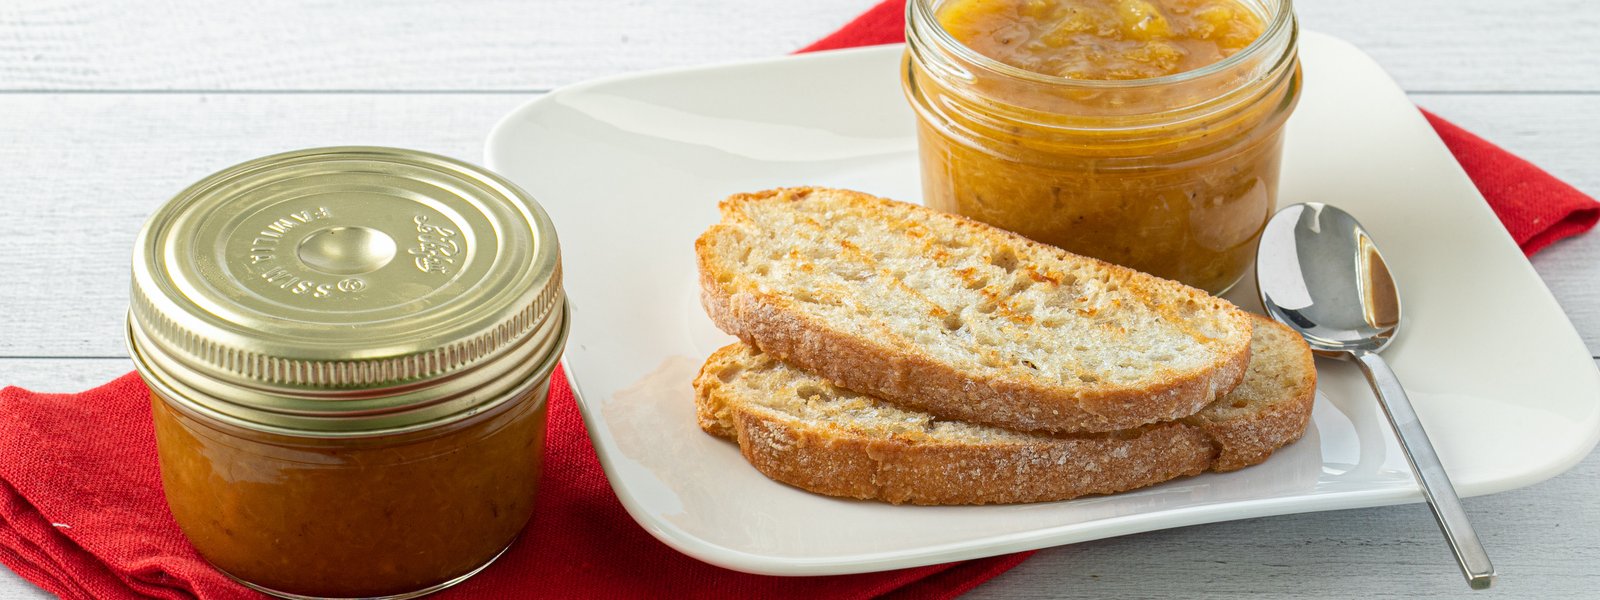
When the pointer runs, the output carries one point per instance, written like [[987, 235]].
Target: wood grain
[[401, 45], [14, 587], [1459, 45], [61, 375], [93, 167]]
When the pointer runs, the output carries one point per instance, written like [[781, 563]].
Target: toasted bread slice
[[801, 430], [946, 315]]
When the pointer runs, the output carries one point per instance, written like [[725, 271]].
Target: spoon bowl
[[1320, 273]]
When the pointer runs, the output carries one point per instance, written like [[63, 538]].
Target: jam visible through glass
[[1103, 39], [1109, 156], [362, 517]]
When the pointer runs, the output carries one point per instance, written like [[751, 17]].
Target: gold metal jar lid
[[347, 291]]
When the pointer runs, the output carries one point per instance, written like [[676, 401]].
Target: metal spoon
[[1319, 273]]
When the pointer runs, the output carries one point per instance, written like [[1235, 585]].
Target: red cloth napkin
[[82, 516]]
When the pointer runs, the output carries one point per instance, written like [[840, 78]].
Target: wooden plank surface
[[412, 45], [65, 375], [1474, 45], [96, 165]]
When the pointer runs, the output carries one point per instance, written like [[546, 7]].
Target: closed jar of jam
[[348, 352], [1146, 133]]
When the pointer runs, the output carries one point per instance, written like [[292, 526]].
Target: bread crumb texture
[[803, 430], [961, 319]]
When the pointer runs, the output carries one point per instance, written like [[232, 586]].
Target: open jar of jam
[[348, 352], [1146, 133]]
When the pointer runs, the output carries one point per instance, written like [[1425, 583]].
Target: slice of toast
[[968, 322], [799, 429]]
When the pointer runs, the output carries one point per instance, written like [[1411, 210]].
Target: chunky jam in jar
[[1143, 132], [1103, 39], [357, 518], [348, 352]]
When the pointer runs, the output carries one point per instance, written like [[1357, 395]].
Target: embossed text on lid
[[343, 272]]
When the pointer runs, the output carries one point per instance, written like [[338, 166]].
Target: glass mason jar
[[348, 351], [1173, 175]]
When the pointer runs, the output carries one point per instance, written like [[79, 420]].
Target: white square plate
[[631, 169]]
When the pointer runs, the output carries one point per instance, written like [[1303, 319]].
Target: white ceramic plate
[[631, 169]]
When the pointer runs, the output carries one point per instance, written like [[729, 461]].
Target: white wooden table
[[108, 108]]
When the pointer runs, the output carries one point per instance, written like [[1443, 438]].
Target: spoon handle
[[1436, 486]]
